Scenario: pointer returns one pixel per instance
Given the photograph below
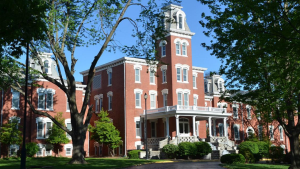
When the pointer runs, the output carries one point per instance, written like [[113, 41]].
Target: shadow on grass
[[62, 163], [254, 166]]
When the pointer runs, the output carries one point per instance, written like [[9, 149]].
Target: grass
[[254, 166], [62, 163]]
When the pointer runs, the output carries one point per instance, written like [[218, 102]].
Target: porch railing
[[187, 139], [182, 107], [154, 142]]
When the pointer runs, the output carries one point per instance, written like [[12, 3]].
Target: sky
[[193, 10]]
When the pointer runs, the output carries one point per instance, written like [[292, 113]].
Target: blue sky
[[193, 10]]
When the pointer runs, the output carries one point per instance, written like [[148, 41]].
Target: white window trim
[[135, 120], [44, 120], [184, 66], [195, 75], [67, 121], [271, 127], [161, 45], [154, 70], [164, 68], [151, 92], [45, 92], [248, 107], [184, 134], [281, 139], [238, 126], [251, 128], [237, 109], [163, 92], [68, 146], [177, 41], [188, 99], [12, 98], [195, 96], [184, 43], [42, 148], [140, 91], [17, 147], [138, 143], [139, 68], [109, 70], [110, 93], [187, 75], [183, 19]]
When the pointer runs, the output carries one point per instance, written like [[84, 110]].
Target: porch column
[[167, 127], [194, 127], [225, 127], [209, 125], [214, 123], [177, 125]]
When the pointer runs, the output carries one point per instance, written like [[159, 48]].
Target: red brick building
[[182, 103], [47, 97]]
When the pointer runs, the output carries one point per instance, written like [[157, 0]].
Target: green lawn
[[254, 166], [62, 163]]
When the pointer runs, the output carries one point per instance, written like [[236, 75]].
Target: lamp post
[[145, 125]]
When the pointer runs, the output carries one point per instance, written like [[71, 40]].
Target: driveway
[[180, 165]]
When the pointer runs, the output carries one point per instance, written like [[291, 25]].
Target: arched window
[[177, 48], [180, 21], [184, 49], [183, 126], [250, 132], [46, 65], [281, 132], [236, 129]]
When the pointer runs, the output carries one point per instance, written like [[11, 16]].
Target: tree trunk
[[78, 139], [295, 155]]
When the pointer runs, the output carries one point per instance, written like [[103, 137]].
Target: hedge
[[134, 154], [249, 145], [203, 148], [233, 159], [170, 150], [187, 149], [276, 153], [31, 149]]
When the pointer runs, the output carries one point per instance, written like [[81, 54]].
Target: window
[[45, 98], [69, 127], [153, 129], [152, 77], [185, 75], [250, 132], [164, 76], [48, 129], [40, 152], [109, 95], [184, 53], [248, 108], [97, 82], [97, 106], [281, 132], [271, 129], [68, 148], [15, 120], [46, 65], [165, 99], [137, 76], [15, 99], [152, 101], [194, 82], [138, 100], [163, 50], [40, 129], [180, 21], [235, 111], [236, 129], [186, 99], [195, 101], [205, 87], [179, 99], [138, 129], [68, 106], [109, 78], [260, 132], [101, 103], [178, 74], [177, 48], [183, 126], [221, 129], [220, 87], [13, 149]]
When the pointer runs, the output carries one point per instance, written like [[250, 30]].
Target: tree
[[72, 24], [258, 44], [10, 133], [57, 136], [105, 132]]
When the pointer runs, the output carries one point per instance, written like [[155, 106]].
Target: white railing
[[182, 107], [186, 139], [155, 140]]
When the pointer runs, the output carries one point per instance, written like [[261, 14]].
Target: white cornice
[[198, 69]]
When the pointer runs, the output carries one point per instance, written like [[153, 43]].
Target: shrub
[[134, 154], [170, 150], [263, 148], [233, 159], [276, 153], [249, 156], [31, 149], [250, 145], [202, 148], [187, 149]]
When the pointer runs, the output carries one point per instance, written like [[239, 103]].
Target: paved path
[[180, 165]]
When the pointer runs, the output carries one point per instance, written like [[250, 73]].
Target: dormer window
[[180, 21], [46, 65]]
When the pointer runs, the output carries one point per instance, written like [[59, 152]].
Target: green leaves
[[56, 134], [10, 133]]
